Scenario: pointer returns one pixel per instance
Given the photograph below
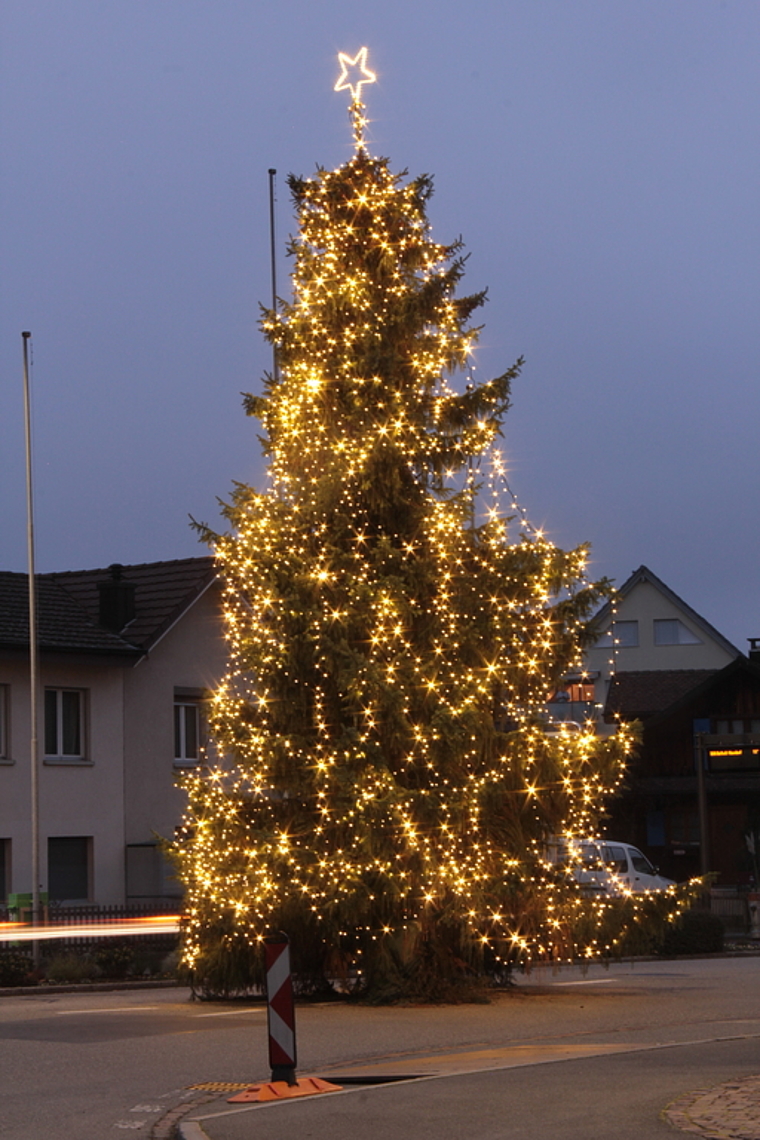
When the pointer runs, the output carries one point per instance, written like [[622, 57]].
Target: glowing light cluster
[[395, 627]]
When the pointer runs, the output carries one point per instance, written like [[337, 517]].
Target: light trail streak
[[23, 932]]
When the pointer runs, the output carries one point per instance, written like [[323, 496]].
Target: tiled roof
[[68, 605], [62, 624], [163, 590], [641, 693]]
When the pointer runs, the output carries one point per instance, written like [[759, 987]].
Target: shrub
[[114, 959], [70, 968], [15, 968], [695, 932]]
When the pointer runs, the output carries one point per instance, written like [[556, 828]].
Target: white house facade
[[128, 658]]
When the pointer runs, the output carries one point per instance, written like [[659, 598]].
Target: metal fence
[[731, 907]]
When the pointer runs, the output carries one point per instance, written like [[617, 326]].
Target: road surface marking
[[115, 1009], [587, 982], [232, 1012]]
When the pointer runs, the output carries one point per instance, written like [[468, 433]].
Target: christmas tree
[[387, 787]]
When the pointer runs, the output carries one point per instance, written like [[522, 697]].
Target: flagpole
[[33, 664], [272, 250]]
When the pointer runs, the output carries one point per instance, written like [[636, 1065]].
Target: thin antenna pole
[[33, 665], [272, 173]]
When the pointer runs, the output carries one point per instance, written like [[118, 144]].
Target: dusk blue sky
[[600, 159]]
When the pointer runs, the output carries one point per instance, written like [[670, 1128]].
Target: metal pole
[[272, 173], [33, 666], [704, 835]]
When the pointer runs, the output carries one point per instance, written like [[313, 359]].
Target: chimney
[[117, 600], [754, 649]]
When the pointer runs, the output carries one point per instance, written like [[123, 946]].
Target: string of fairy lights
[[385, 766]]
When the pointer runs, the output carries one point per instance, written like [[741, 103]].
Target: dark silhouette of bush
[[15, 968], [695, 932]]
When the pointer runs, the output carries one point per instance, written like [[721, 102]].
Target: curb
[[89, 987], [169, 983], [172, 1125], [191, 1130]]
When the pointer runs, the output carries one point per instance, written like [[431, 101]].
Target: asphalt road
[[596, 1054]]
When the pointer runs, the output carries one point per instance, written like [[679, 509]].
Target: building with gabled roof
[[652, 647], [648, 629], [645, 598], [657, 661], [128, 658]]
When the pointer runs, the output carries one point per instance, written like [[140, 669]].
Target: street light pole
[[704, 823], [33, 665]]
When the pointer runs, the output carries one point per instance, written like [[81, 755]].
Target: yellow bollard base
[[281, 1090]]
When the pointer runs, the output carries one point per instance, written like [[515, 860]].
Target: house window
[[70, 867], [150, 875], [64, 723], [4, 743], [671, 631], [683, 826], [186, 732], [579, 691], [189, 725], [625, 633], [5, 868], [737, 726]]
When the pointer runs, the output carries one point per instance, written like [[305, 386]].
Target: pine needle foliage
[[385, 785]]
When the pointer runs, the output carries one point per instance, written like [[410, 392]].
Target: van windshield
[[641, 863], [615, 859]]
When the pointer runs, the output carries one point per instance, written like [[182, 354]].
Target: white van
[[608, 867]]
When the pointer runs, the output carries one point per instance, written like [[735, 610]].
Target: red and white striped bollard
[[281, 1014]]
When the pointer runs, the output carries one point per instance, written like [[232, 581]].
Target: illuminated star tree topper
[[353, 76]]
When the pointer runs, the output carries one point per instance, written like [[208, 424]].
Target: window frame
[[5, 735], [195, 700], [610, 639], [88, 842], [681, 629], [632, 627], [6, 849], [727, 725], [59, 727]]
